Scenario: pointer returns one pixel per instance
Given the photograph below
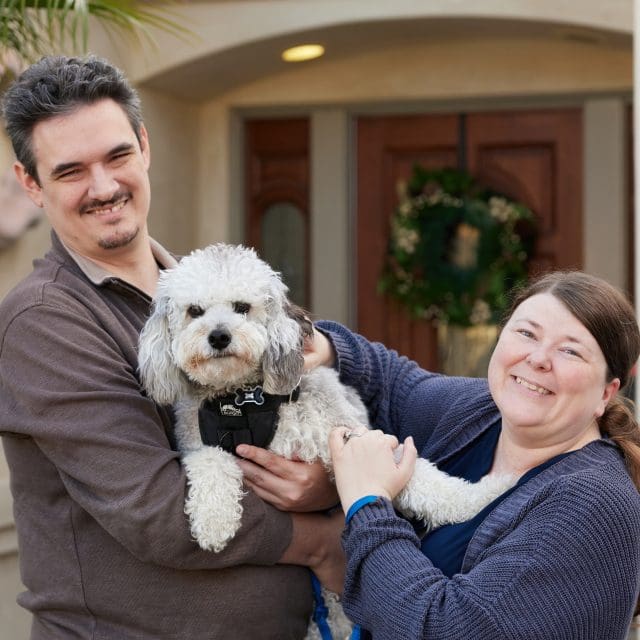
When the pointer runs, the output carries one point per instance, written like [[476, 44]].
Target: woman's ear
[[610, 390]]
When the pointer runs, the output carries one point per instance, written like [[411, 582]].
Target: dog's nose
[[219, 339]]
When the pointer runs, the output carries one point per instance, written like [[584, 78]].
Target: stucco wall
[[172, 125], [193, 146]]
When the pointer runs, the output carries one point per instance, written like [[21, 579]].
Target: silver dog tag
[[249, 396]]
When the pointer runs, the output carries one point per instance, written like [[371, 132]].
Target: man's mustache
[[99, 204]]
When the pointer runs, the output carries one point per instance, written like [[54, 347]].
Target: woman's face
[[547, 374]]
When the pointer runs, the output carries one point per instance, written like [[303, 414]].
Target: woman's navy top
[[446, 546]]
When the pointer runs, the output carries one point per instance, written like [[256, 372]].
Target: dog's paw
[[214, 496], [488, 488], [437, 498]]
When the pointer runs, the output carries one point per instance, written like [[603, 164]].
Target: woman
[[556, 557]]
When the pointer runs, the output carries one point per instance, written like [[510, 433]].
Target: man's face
[[94, 185]]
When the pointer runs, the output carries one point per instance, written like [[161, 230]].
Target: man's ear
[[144, 146], [29, 184]]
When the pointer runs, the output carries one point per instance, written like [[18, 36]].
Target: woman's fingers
[[408, 457]]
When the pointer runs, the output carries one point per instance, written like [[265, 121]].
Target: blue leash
[[320, 613]]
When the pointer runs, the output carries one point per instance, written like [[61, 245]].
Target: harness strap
[[249, 416]]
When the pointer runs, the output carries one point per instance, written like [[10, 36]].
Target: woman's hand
[[289, 485], [364, 463], [318, 351]]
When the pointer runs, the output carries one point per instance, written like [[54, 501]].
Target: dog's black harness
[[249, 416]]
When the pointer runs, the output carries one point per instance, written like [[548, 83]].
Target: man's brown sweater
[[105, 548]]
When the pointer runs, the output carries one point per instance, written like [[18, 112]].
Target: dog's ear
[[160, 377], [283, 363], [301, 316]]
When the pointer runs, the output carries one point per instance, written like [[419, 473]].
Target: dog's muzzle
[[249, 416]]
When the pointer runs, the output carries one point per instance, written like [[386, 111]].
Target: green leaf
[[30, 28]]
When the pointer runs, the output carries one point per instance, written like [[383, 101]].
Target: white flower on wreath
[[406, 239], [402, 190], [439, 197], [501, 209], [405, 208], [480, 312], [434, 312]]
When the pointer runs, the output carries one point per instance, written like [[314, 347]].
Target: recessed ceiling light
[[303, 52]]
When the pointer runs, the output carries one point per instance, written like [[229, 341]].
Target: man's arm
[[73, 388], [316, 544]]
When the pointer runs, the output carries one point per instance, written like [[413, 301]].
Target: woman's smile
[[527, 384]]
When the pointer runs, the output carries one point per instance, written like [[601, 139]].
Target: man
[[105, 547]]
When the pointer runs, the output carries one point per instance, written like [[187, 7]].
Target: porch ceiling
[[208, 76]]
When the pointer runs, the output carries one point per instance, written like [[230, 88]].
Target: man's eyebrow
[[125, 146], [59, 169]]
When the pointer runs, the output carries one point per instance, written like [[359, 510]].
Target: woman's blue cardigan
[[558, 559]]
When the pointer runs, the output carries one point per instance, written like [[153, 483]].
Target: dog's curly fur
[[228, 288]]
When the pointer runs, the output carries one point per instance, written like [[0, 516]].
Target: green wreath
[[456, 248]]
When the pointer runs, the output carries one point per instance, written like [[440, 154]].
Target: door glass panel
[[283, 246]]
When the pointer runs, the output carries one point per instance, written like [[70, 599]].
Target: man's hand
[[289, 485]]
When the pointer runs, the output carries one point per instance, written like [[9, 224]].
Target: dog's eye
[[241, 307], [194, 311]]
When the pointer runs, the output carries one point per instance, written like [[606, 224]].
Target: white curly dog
[[224, 346]]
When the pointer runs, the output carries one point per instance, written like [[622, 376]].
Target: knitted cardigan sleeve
[[566, 567], [401, 397]]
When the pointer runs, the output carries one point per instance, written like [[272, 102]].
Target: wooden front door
[[531, 156]]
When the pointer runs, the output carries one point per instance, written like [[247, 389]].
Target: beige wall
[[14, 621], [195, 192], [172, 125]]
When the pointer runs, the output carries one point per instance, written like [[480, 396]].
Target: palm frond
[[29, 28]]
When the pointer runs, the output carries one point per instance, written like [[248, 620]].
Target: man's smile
[[106, 208]]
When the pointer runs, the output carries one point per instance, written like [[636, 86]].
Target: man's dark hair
[[57, 85]]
